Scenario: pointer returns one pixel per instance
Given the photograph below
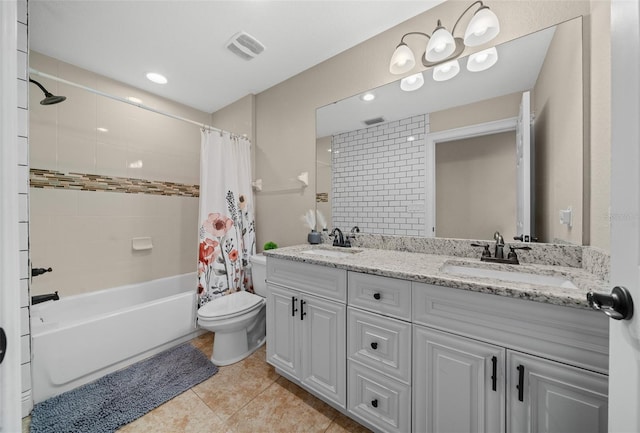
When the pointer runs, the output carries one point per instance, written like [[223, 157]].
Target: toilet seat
[[230, 305]]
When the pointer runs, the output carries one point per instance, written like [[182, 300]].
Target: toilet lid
[[228, 305]]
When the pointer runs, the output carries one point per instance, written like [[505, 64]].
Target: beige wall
[[558, 109], [465, 171], [489, 110], [285, 113], [85, 236]]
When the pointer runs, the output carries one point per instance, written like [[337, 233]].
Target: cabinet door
[[282, 325], [458, 383], [545, 396], [323, 347]]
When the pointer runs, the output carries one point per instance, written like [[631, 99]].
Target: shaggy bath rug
[[125, 395]]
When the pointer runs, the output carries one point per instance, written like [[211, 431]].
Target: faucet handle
[[485, 252], [512, 253]]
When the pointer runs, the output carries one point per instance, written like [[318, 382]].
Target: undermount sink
[[513, 276], [330, 253]]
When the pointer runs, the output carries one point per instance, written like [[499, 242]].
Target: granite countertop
[[431, 269]]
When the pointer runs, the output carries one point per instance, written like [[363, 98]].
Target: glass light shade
[[482, 60], [441, 45], [446, 71], [483, 27], [402, 60], [412, 82]]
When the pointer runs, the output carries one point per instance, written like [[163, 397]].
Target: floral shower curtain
[[227, 226]]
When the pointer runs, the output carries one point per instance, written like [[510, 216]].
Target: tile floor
[[248, 396]]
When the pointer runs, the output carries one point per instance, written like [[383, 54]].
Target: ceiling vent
[[244, 46], [373, 121]]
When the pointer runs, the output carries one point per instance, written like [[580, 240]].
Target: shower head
[[49, 99]]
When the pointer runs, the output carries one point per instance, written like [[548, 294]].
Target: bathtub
[[81, 338]]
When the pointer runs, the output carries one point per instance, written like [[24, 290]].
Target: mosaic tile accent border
[[40, 178]]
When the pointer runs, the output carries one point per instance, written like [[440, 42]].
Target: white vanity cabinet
[[379, 351], [306, 338], [551, 364], [459, 383]]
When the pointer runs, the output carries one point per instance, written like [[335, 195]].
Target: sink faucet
[[499, 250], [338, 238]]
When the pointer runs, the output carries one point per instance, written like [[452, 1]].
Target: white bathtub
[[81, 338]]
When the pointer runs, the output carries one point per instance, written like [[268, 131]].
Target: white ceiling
[[185, 40]]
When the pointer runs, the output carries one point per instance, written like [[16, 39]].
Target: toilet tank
[[259, 274]]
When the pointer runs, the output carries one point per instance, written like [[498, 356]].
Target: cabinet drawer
[[570, 335], [388, 296], [379, 400], [314, 279], [381, 343]]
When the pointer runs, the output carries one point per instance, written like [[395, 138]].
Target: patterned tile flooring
[[248, 396]]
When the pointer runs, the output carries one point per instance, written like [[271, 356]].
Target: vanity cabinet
[[458, 383], [547, 364], [306, 338], [379, 351]]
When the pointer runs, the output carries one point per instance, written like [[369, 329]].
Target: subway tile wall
[[23, 203], [369, 170]]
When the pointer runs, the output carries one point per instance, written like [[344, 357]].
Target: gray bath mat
[[123, 396]]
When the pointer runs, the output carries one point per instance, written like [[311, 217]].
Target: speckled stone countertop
[[431, 269]]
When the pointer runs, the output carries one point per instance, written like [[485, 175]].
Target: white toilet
[[239, 319]]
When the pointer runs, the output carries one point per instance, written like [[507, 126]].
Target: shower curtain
[[227, 226]]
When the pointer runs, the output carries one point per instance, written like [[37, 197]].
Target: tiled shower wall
[[104, 172], [23, 202], [370, 168]]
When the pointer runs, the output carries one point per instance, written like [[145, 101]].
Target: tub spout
[[43, 298]]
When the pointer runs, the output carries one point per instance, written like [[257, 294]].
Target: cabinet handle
[[293, 306], [374, 345], [520, 383], [376, 296], [302, 313], [494, 373], [374, 403]]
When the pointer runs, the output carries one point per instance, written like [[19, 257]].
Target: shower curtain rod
[[135, 104]]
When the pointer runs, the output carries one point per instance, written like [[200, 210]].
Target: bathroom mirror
[[443, 160]]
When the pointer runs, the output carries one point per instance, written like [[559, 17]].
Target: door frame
[[10, 376], [433, 138]]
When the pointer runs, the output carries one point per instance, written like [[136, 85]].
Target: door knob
[[618, 305]]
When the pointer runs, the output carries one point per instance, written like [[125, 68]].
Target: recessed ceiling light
[[157, 78], [368, 97], [134, 100], [102, 129]]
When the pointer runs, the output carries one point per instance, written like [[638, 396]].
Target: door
[[624, 353], [548, 397], [10, 374], [282, 329], [461, 388], [323, 346], [523, 167]]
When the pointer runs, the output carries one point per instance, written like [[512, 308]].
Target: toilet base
[[233, 354]]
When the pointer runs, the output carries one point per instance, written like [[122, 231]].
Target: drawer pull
[[374, 345], [293, 306], [376, 296], [374, 403], [494, 373], [520, 385], [302, 313]]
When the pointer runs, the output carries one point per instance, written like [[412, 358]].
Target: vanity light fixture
[[156, 78], [412, 82], [482, 60], [446, 71], [367, 97], [443, 45]]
